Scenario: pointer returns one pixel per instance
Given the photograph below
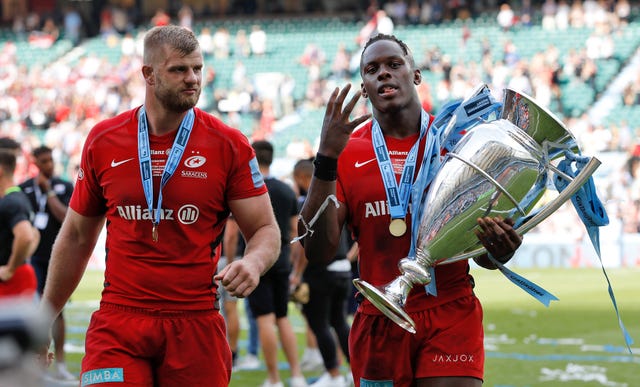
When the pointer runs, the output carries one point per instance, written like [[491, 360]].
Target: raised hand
[[337, 125]]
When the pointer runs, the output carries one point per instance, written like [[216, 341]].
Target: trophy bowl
[[499, 168]]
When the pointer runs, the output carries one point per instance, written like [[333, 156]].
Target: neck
[[264, 170], [5, 184], [400, 124], [162, 121]]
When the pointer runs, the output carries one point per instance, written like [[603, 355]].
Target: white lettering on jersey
[[377, 208], [139, 213], [187, 214]]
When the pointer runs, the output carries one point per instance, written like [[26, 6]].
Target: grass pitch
[[576, 341]]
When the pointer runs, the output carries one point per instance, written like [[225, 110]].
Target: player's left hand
[[498, 236]]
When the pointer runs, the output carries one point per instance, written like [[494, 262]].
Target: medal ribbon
[[175, 154], [397, 197], [449, 126]]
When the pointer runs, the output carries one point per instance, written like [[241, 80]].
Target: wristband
[[51, 194], [325, 167]]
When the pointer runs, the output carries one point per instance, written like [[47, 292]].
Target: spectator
[[72, 25], [258, 40], [505, 17]]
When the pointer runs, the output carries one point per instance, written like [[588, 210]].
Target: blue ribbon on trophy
[[593, 216], [450, 124]]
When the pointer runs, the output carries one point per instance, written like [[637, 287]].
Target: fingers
[[237, 280], [498, 236], [337, 107]]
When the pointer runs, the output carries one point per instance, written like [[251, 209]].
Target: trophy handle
[[573, 187]]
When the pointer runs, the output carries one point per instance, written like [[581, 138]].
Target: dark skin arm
[[320, 246], [499, 238]]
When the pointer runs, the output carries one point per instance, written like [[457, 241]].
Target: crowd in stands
[[56, 104]]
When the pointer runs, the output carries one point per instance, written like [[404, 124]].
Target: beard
[[175, 101]]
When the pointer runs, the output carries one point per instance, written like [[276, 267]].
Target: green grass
[[576, 339]]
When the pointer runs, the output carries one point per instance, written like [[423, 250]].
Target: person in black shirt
[[18, 238], [49, 196], [269, 301]]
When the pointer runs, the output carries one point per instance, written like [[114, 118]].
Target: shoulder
[[59, 180], [16, 202], [26, 184], [216, 128], [112, 126]]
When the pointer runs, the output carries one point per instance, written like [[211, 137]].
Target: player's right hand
[[337, 125]]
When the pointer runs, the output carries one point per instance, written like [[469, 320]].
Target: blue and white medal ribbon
[[175, 155], [452, 122], [397, 197]]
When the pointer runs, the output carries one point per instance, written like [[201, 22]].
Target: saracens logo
[[195, 161], [187, 214], [192, 162]]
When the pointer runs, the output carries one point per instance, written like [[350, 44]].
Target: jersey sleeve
[[245, 179], [87, 198], [17, 210]]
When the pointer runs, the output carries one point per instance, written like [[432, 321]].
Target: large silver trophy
[[499, 168]]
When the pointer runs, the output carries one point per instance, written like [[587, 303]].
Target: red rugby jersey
[[361, 188], [176, 272]]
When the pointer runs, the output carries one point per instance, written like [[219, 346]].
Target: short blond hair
[[175, 37]]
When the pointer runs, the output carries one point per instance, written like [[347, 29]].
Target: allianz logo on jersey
[[378, 208], [186, 214]]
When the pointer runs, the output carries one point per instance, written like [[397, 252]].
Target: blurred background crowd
[[270, 66]]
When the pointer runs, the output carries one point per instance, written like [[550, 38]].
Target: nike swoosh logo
[[115, 163], [361, 164]]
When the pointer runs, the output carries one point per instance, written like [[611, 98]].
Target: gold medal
[[397, 227], [154, 232]]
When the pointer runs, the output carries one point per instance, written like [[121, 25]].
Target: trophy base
[[381, 301]]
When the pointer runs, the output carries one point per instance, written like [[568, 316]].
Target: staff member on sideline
[[49, 196]]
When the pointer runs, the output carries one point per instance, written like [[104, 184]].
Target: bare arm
[[298, 260], [258, 225], [321, 245], [71, 252], [25, 240], [499, 238]]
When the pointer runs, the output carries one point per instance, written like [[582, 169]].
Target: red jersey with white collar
[[361, 188], [176, 272]]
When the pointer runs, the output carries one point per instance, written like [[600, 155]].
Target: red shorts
[[23, 282], [448, 342], [134, 347]]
